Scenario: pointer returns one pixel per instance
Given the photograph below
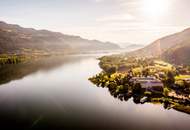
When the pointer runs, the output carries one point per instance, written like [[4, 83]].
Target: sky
[[120, 21]]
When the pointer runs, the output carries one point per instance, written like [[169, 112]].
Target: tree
[[137, 88], [111, 70], [170, 79], [166, 92], [145, 72]]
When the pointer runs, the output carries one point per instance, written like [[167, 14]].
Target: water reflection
[[10, 73], [120, 87], [61, 97]]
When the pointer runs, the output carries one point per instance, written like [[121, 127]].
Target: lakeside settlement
[[146, 80]]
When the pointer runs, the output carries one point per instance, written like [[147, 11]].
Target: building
[[149, 83]]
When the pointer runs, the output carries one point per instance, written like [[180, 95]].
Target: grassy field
[[163, 65], [180, 77]]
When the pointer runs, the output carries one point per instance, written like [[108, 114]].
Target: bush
[[147, 93], [166, 91]]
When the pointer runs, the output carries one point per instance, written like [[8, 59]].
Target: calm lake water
[[55, 93]]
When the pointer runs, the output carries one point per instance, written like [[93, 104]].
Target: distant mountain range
[[14, 38], [132, 47], [174, 48]]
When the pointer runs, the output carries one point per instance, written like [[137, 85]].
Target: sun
[[155, 8]]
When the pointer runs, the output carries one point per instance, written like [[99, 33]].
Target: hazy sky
[[135, 21]]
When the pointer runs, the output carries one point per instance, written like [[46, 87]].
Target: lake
[[55, 93]]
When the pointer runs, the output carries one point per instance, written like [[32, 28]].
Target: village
[[162, 75], [149, 72], [146, 80]]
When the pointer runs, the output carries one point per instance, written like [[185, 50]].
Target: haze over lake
[[57, 93]]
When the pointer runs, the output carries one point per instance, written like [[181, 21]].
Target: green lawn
[[182, 77]]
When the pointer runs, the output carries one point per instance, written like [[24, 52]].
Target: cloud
[[119, 2], [116, 18], [98, 0]]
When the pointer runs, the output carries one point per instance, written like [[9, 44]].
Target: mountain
[[132, 47], [173, 48], [14, 38], [162, 45], [179, 54]]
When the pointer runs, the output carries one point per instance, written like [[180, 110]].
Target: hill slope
[[164, 44], [173, 48], [179, 54], [132, 47], [13, 38]]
